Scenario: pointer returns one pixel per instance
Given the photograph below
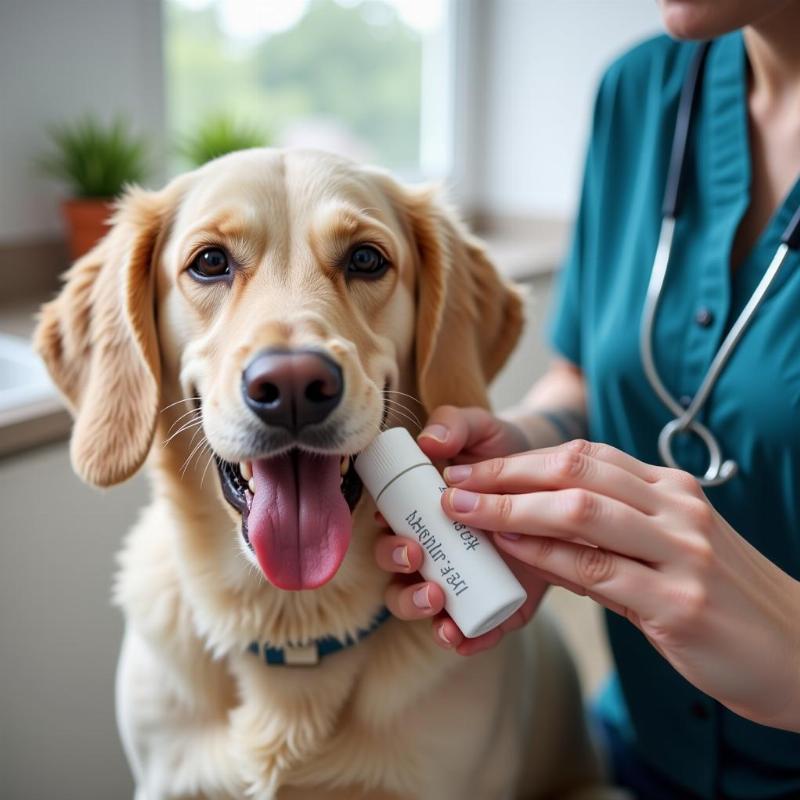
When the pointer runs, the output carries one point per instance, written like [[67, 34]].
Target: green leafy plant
[[95, 159], [220, 135]]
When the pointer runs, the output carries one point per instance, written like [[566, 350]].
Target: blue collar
[[310, 653]]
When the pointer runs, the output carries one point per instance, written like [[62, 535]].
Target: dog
[[247, 331]]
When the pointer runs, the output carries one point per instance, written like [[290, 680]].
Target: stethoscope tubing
[[718, 471], [685, 420]]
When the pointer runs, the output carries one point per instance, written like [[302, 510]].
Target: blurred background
[[491, 97]]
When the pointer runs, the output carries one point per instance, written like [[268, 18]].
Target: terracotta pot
[[87, 223]]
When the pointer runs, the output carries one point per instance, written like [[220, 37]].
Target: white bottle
[[481, 592]]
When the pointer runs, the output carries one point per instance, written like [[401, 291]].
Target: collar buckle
[[301, 655]]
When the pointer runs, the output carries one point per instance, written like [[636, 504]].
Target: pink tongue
[[299, 523]]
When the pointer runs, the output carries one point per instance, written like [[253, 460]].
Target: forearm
[[554, 410]]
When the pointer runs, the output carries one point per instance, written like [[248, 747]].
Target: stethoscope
[[718, 471]]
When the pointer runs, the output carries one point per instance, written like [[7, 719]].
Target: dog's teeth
[[246, 470], [344, 465], [251, 485]]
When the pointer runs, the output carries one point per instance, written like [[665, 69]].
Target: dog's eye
[[210, 263], [366, 261]]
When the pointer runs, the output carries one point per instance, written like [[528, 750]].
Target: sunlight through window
[[348, 76]]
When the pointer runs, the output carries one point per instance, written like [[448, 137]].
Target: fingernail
[[510, 536], [438, 432], [400, 556], [420, 598], [463, 501], [442, 634], [458, 473]]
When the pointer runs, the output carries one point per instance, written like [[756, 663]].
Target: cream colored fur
[[132, 335]]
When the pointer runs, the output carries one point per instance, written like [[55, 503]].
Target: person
[[700, 586]]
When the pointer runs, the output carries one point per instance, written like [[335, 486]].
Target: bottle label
[[435, 550]]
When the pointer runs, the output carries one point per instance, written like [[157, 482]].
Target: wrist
[[540, 427], [783, 705]]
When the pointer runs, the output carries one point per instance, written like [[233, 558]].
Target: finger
[[522, 615], [470, 647], [449, 636], [398, 554], [619, 583], [557, 580], [557, 469], [449, 430], [418, 601], [564, 514], [611, 455], [446, 633]]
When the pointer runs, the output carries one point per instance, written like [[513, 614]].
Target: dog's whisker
[[398, 400], [198, 448], [194, 423], [208, 464], [196, 411], [198, 451], [178, 402], [395, 404], [401, 412], [199, 429], [405, 394], [415, 422]]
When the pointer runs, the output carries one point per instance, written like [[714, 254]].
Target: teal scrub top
[[754, 410]]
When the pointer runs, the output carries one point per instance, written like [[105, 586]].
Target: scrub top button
[[685, 400], [704, 317]]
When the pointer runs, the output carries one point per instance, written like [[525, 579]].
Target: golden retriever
[[258, 317]]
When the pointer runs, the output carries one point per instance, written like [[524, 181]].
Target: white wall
[[59, 634], [542, 61], [59, 58]]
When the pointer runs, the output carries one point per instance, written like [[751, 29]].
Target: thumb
[[451, 430]]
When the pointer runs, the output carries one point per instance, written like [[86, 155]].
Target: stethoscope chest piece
[[717, 472]]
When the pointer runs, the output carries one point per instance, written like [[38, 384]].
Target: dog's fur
[[132, 335]]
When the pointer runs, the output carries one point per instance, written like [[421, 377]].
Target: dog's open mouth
[[296, 513]]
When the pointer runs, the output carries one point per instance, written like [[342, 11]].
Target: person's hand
[[645, 542], [460, 435]]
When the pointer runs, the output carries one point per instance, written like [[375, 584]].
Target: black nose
[[292, 388]]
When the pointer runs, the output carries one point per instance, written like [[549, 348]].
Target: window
[[365, 78]]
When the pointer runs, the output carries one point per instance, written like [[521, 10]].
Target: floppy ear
[[468, 317], [98, 340]]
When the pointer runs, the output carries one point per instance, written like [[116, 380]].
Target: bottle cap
[[390, 453]]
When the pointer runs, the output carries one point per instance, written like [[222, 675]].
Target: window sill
[[523, 249], [31, 411]]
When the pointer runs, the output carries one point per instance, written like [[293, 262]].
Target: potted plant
[[96, 161], [217, 136]]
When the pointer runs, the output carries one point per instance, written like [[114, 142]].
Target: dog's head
[[282, 301]]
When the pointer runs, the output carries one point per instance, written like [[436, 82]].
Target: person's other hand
[[646, 543], [461, 436]]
